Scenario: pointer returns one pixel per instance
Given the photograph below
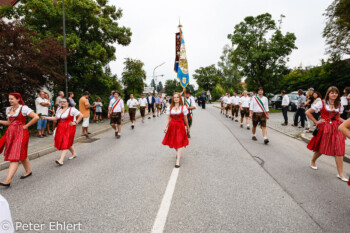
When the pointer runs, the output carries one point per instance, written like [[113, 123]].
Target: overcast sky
[[206, 24]]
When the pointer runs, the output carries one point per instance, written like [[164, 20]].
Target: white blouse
[[173, 112], [25, 111], [73, 112], [318, 106]]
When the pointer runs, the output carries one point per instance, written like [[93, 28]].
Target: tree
[[337, 29], [260, 51], [133, 76], [159, 86], [92, 31], [207, 77], [231, 76], [172, 86], [27, 63]]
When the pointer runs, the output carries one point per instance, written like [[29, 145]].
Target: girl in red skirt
[[65, 131], [344, 128], [176, 136], [329, 140], [16, 139]]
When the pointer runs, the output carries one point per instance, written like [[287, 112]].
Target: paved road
[[226, 183]]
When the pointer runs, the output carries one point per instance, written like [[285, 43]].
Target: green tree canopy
[[92, 30], [337, 29], [172, 86], [207, 77], [133, 76], [231, 75], [260, 51]]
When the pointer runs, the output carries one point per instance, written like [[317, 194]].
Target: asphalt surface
[[226, 183]]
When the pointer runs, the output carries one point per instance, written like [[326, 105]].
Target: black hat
[[86, 93], [188, 91]]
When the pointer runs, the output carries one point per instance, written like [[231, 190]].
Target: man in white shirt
[[116, 113], [132, 105], [6, 224], [285, 104], [235, 106], [191, 105], [42, 109], [244, 103], [259, 112], [161, 101], [143, 105], [227, 102]]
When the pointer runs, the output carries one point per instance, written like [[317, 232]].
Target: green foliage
[[320, 78], [218, 91], [207, 77], [261, 50], [337, 29], [172, 86], [231, 76], [92, 30], [133, 77]]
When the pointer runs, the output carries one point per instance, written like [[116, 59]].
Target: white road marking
[[159, 223]]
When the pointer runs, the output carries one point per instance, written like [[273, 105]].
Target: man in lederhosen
[[222, 104], [228, 106], [132, 105], [244, 103], [143, 105], [191, 105], [157, 104], [259, 112], [235, 106], [116, 112], [151, 102]]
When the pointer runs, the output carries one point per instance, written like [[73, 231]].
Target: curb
[[4, 165], [301, 138]]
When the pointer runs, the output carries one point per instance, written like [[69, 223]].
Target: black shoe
[[89, 133], [5, 185], [132, 127], [236, 120], [266, 141], [177, 166], [116, 134], [241, 126], [154, 115], [149, 117], [23, 177], [254, 138], [248, 128], [188, 135]]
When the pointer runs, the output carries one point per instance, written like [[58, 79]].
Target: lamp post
[[65, 47], [154, 77]]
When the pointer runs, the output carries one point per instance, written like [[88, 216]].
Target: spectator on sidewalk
[[98, 106], [17, 137], [71, 100], [345, 99], [51, 112], [309, 101], [66, 116], [84, 109], [42, 109], [111, 96], [300, 110], [57, 105], [317, 98], [285, 104]]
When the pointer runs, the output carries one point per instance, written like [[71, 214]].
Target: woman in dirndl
[[66, 116], [328, 140], [16, 138], [176, 135]]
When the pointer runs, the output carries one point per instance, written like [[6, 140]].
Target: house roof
[[8, 2]]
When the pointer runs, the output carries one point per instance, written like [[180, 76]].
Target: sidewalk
[[275, 121], [41, 146]]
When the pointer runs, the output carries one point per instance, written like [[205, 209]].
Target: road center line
[[159, 223]]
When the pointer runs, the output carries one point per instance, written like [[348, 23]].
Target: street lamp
[[155, 80], [65, 47]]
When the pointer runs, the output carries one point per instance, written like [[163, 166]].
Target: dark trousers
[[203, 105], [285, 114], [344, 115], [300, 113]]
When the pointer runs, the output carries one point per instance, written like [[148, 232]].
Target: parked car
[[276, 102]]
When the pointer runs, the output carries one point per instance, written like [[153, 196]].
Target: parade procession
[[102, 130]]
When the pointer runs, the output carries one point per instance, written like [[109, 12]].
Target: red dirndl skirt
[[17, 140], [329, 140], [176, 136], [64, 136]]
